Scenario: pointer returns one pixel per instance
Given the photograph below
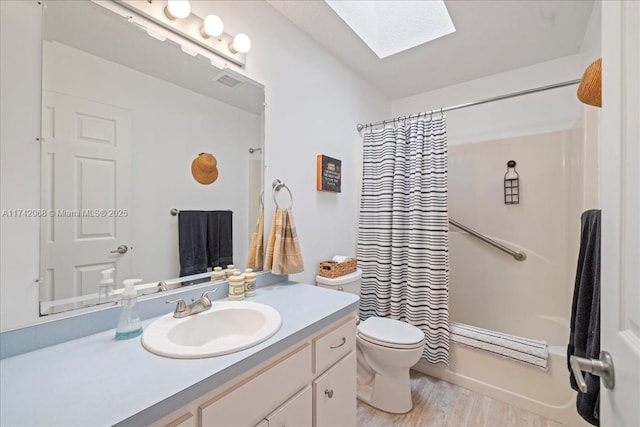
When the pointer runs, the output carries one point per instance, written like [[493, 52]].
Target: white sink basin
[[227, 327]]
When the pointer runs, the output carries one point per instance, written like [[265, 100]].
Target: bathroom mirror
[[125, 111]]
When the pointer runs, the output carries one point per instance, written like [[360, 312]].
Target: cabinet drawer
[[296, 411], [333, 345], [334, 395], [249, 402]]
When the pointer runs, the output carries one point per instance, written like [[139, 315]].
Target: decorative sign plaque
[[329, 174]]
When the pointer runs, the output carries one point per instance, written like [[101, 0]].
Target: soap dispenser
[[106, 286], [129, 325]]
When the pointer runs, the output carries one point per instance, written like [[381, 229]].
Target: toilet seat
[[390, 333]]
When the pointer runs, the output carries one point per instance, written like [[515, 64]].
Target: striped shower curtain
[[403, 241]]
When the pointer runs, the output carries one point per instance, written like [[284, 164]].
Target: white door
[[620, 199], [86, 175]]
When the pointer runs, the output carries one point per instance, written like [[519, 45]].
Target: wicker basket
[[336, 269]]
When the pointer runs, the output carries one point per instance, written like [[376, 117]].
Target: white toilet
[[386, 350]]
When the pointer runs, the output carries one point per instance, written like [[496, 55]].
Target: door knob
[[122, 249], [602, 367]]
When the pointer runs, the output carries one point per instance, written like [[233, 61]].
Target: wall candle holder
[[511, 184]]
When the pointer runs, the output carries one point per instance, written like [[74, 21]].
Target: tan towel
[[256, 248], [283, 251]]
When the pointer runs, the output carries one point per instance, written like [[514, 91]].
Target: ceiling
[[492, 36]]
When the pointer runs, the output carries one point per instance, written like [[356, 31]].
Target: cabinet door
[[250, 401], [294, 412], [334, 395]]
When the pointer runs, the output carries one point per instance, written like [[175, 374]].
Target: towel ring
[[277, 186]]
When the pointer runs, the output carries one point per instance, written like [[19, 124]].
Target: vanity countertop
[[96, 380]]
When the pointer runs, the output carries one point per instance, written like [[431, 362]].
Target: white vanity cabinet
[[311, 384], [334, 386]]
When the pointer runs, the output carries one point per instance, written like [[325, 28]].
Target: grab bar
[[517, 255]]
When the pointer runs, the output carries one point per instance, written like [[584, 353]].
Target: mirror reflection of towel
[[256, 248], [283, 250], [219, 238], [205, 240]]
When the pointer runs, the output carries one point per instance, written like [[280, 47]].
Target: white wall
[[548, 111], [171, 125], [313, 105]]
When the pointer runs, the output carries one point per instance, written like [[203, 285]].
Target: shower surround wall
[[490, 289]]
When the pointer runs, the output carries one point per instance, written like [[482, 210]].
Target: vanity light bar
[[159, 32], [189, 28]]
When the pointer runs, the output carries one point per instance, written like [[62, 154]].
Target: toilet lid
[[390, 331]]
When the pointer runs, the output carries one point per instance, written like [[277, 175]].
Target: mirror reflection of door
[[86, 165]]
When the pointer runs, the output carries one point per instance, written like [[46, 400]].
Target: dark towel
[[205, 239], [220, 238], [192, 242], [584, 340]]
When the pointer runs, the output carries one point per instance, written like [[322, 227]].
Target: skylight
[[389, 27]]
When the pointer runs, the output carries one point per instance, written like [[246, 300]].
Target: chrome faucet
[[198, 306]]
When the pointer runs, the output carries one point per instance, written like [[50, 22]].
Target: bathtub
[[544, 392]]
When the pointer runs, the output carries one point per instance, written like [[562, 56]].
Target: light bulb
[[177, 9], [212, 27], [241, 43]]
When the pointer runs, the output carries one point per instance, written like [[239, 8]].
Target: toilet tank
[[347, 283]]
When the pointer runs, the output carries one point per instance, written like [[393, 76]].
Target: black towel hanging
[[584, 340]]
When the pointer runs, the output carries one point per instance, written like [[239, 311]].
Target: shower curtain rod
[[471, 104]]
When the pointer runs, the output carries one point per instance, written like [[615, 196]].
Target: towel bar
[[175, 212]]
